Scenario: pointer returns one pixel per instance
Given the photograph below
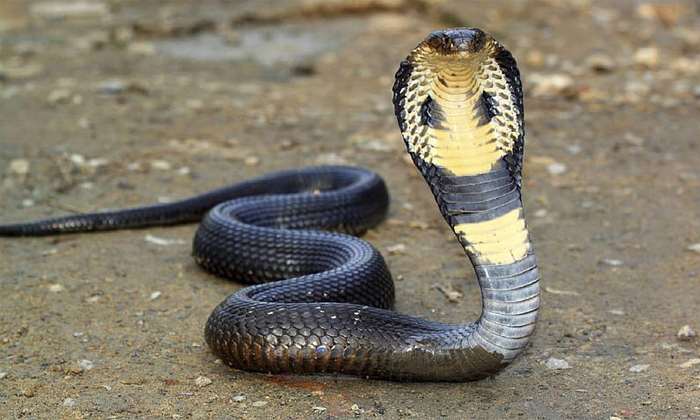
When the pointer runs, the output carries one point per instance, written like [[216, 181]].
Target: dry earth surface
[[106, 104]]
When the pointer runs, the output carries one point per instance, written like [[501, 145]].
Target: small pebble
[[647, 57], [56, 288], [418, 224], [574, 148], [77, 159], [251, 161], [70, 402], [59, 96], [685, 66], [639, 368], [330, 159], [693, 248], [685, 333], [86, 364], [112, 87], [259, 403], [155, 295], [550, 85], [452, 293], [319, 409], [535, 58], [3, 375], [141, 48], [161, 165], [202, 381], [70, 9], [556, 168], [97, 162], [18, 166], [557, 364], [610, 262], [396, 249], [560, 292], [634, 139], [163, 242], [83, 123], [238, 398], [689, 363]]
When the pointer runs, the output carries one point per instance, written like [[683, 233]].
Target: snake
[[321, 299]]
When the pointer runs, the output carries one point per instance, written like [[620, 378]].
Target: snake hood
[[463, 82]]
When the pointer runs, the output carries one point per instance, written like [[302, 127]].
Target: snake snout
[[462, 46], [458, 40]]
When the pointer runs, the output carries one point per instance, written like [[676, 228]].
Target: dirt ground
[[106, 104]]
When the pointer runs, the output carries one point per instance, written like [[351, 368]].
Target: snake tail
[[349, 182]]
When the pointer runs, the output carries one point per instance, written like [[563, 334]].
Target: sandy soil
[[119, 103]]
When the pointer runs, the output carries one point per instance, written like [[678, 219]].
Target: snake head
[[456, 40]]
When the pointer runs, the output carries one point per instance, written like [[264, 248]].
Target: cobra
[[459, 104]]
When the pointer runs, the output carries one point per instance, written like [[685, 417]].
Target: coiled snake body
[[458, 101]]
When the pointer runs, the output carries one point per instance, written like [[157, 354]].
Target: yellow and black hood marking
[[461, 82]]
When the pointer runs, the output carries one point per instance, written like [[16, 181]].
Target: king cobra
[[459, 104]]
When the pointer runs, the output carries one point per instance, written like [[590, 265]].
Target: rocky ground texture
[[106, 104]]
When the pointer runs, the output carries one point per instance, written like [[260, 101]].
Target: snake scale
[[459, 105]]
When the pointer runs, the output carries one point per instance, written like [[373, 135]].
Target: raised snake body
[[458, 101]]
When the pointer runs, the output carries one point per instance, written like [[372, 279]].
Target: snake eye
[[436, 41]]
